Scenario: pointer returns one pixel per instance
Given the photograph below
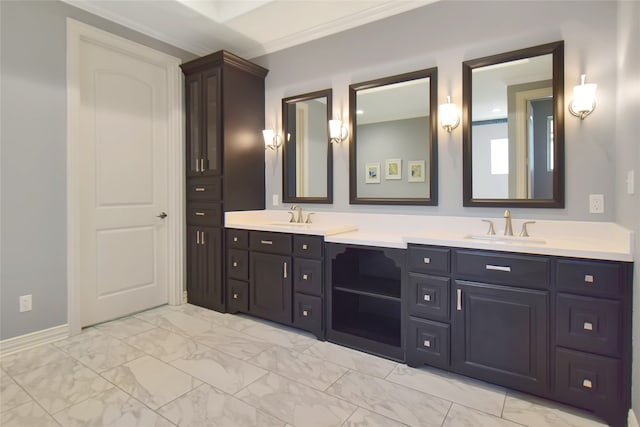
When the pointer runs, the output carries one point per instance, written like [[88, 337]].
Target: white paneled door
[[122, 147]]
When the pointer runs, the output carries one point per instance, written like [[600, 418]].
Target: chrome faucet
[[298, 209], [508, 228]]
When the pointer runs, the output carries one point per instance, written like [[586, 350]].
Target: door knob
[[162, 215]]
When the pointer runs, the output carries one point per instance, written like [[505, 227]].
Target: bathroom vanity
[[550, 316]]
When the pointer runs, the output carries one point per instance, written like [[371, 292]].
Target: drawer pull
[[427, 297], [459, 302], [588, 278], [587, 326], [197, 237], [201, 165], [427, 343], [304, 247], [202, 237], [426, 260], [200, 189], [586, 383], [200, 213], [305, 277], [498, 268], [235, 263], [235, 239], [266, 242], [305, 313], [284, 272], [235, 296]]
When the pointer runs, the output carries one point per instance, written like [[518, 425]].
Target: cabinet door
[[193, 124], [501, 334], [204, 271], [212, 128], [270, 286]]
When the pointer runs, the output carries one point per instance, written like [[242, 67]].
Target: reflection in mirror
[[514, 127], [307, 161], [393, 151]]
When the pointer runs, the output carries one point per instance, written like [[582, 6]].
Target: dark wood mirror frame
[[432, 200], [557, 51], [285, 167]]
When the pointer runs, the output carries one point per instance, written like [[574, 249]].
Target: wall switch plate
[[275, 201], [630, 182], [25, 303], [596, 203]]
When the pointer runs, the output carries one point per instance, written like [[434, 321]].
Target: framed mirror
[[513, 128], [393, 153], [307, 161]]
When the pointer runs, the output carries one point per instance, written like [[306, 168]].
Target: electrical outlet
[[25, 303], [596, 203], [275, 200]]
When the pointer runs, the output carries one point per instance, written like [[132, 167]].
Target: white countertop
[[581, 239]]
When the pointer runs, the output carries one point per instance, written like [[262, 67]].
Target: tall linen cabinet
[[224, 104]]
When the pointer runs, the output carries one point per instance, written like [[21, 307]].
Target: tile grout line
[[444, 420]]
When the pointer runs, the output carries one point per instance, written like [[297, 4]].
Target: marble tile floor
[[188, 366]]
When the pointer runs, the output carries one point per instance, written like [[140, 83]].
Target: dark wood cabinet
[[204, 269], [501, 335], [224, 100], [270, 286]]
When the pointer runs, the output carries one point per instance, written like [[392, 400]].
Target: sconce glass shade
[[337, 133], [271, 140], [449, 118], [584, 99]]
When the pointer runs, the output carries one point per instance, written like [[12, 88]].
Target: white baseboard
[[34, 339], [632, 420]]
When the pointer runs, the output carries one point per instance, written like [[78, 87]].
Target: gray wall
[[628, 155], [397, 139], [33, 158], [445, 34]]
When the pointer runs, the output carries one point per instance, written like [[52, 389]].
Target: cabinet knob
[[235, 264], [304, 247], [427, 297], [427, 343], [586, 383], [235, 239], [587, 326], [588, 278], [426, 260], [305, 277], [305, 313], [235, 296]]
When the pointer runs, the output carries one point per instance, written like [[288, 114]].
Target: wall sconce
[[337, 132], [271, 140], [584, 99], [449, 118]]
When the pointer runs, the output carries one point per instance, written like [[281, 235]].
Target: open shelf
[[373, 327], [372, 286]]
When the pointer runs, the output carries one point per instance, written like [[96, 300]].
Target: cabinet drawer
[[307, 246], [279, 243], [205, 189], [429, 260], [428, 342], [589, 324], [307, 313], [237, 239], [504, 269], [209, 214], [307, 276], [588, 380], [429, 296], [597, 278], [238, 264], [237, 296]]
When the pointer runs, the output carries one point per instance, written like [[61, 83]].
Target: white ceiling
[[248, 28]]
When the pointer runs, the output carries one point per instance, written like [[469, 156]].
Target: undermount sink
[[506, 239]]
